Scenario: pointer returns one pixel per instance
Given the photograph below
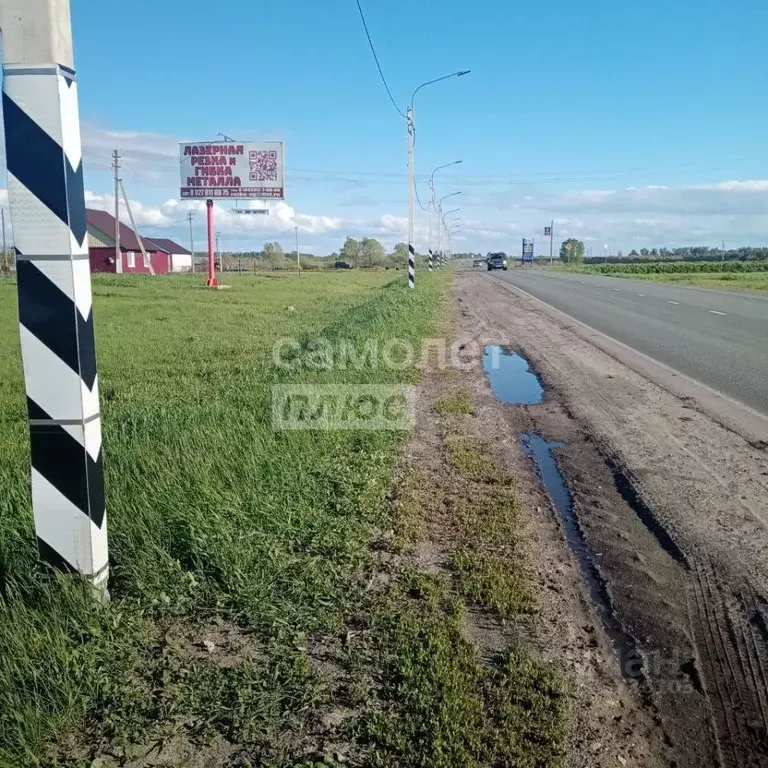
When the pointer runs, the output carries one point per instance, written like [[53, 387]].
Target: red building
[[101, 248]]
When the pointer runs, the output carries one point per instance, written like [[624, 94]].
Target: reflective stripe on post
[[411, 267], [45, 192]]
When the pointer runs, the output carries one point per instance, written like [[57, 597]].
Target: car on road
[[342, 265], [497, 261], [478, 263]]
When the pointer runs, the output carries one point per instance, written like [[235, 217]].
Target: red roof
[[105, 222], [169, 246]]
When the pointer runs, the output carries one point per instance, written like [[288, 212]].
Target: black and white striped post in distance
[[429, 259], [411, 266], [45, 190]]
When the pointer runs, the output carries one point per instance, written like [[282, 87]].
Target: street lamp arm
[[440, 168], [445, 197], [460, 73]]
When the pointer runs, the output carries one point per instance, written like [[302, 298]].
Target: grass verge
[[215, 519]]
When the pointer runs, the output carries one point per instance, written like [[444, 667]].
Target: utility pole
[[298, 257], [411, 181], [218, 252], [431, 203], [723, 254], [551, 241], [191, 216], [5, 250], [116, 166], [45, 193]]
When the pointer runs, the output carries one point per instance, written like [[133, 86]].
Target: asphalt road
[[719, 338]]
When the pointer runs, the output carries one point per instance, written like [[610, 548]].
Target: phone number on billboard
[[241, 192]]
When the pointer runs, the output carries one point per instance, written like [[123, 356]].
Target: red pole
[[212, 281]]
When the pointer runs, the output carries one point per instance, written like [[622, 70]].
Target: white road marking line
[[673, 302], [641, 294], [615, 289], [715, 312]]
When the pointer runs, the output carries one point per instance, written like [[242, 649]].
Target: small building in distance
[[181, 258], [101, 248]]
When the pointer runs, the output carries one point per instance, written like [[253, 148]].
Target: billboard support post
[[212, 282], [45, 192]]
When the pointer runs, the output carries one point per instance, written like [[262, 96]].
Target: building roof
[[169, 246], [105, 222]]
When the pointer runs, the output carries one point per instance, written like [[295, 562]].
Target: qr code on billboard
[[263, 165]]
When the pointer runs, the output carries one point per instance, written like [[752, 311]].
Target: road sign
[[252, 211], [233, 170], [547, 231], [527, 256]]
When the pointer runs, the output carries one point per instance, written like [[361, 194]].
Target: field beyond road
[[736, 275], [243, 627]]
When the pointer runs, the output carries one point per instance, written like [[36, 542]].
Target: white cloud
[[494, 218]]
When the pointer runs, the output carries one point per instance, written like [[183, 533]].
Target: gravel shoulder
[[669, 484]]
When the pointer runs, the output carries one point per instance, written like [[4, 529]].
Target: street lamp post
[[411, 178], [432, 204], [442, 217], [450, 232]]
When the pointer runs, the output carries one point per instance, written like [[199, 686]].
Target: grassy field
[[750, 281], [237, 552], [752, 276]]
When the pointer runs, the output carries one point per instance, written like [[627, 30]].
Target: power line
[[376, 59], [418, 199]]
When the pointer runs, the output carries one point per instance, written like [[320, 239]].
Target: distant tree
[[274, 255], [371, 252], [572, 251], [399, 256], [619, 254], [633, 254], [350, 251], [645, 252], [655, 252]]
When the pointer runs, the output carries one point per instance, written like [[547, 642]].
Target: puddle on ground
[[623, 643], [511, 377]]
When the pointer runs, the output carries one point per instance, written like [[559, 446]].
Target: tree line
[[573, 251], [365, 253]]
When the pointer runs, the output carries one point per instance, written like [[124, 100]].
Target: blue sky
[[629, 123]]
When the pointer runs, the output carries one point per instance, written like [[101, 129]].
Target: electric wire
[[376, 59]]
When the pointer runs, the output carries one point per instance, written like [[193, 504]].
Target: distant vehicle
[[342, 265], [497, 261], [478, 262]]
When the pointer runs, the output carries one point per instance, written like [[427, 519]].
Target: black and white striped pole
[[45, 192]]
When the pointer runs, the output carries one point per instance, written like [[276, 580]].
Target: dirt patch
[[558, 624], [673, 506]]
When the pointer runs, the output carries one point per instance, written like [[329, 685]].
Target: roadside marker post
[[47, 202]]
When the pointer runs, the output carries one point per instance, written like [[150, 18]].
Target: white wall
[[181, 262]]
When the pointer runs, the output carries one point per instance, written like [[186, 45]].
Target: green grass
[[458, 402], [438, 706], [735, 275], [213, 516], [750, 281]]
